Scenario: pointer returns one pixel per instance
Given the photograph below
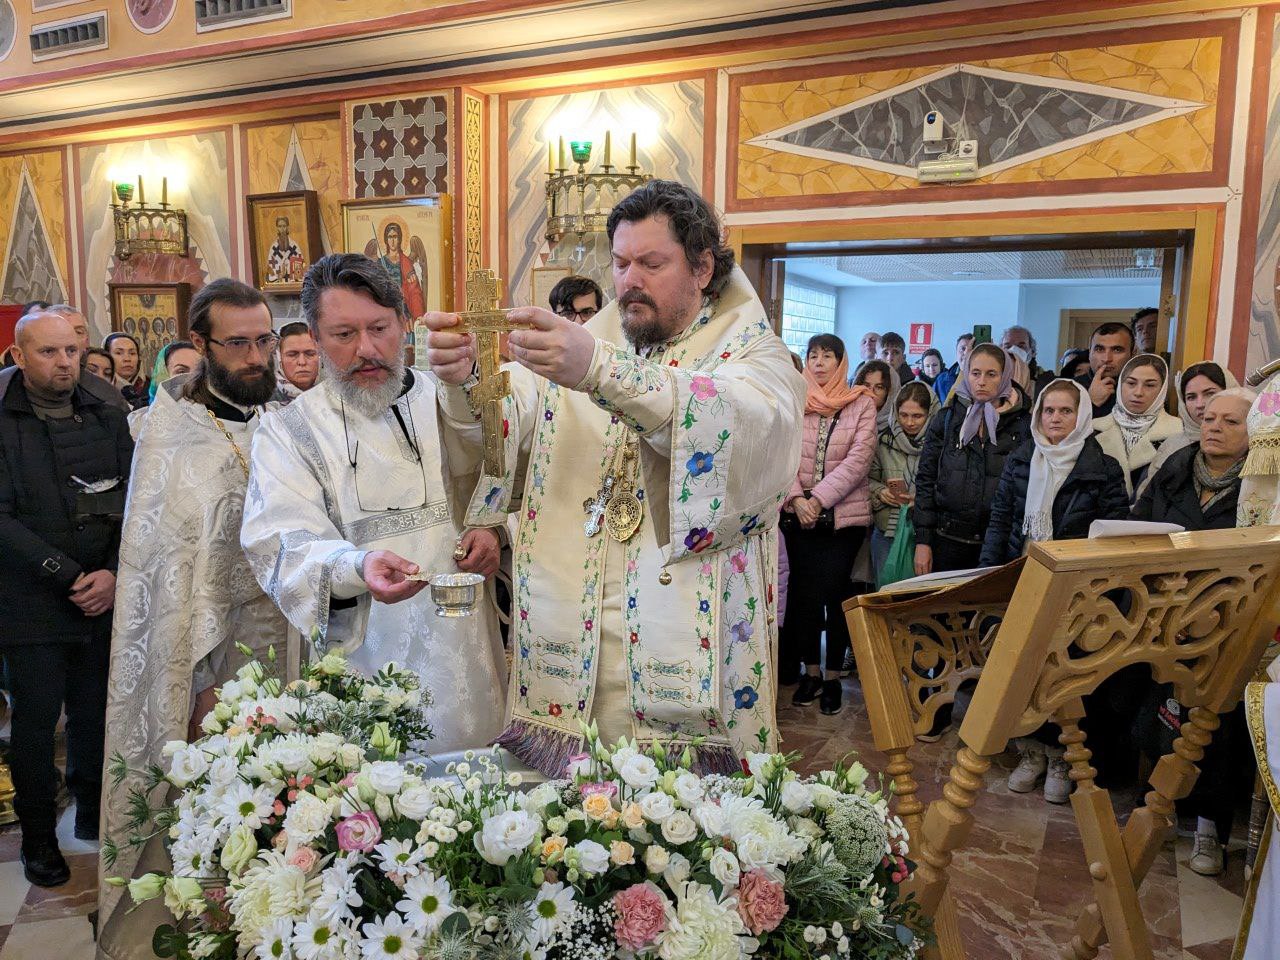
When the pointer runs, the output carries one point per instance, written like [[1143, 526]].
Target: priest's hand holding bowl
[[552, 347], [386, 575]]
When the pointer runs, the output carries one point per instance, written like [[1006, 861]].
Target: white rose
[[688, 787], [724, 867], [241, 847], [415, 801], [797, 797], [756, 762], [657, 807], [824, 797], [188, 765], [593, 858], [350, 756], [306, 818], [639, 772], [677, 871], [804, 827], [679, 828], [656, 858], [710, 818], [508, 834], [385, 776], [223, 771], [324, 749], [536, 800], [231, 691], [172, 748], [290, 756]]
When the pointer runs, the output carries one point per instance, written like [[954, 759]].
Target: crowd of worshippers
[[980, 458]]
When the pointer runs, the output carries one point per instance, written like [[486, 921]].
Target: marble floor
[[1019, 885]]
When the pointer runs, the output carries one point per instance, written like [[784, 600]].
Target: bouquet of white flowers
[[301, 831]]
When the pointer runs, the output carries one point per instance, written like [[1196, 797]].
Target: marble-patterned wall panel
[[198, 184], [400, 148], [668, 117], [306, 155], [33, 228], [1066, 114], [1264, 306]]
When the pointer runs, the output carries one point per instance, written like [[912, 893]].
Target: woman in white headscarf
[[1135, 430]]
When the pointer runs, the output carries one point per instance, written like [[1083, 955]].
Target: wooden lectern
[[1198, 608]]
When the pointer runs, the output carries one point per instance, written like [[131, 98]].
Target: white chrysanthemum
[[389, 938], [552, 910], [291, 753], [428, 899], [400, 859], [195, 855], [700, 927], [271, 889], [761, 840], [277, 942], [247, 804], [338, 895]]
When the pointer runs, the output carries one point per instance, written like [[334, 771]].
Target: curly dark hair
[[694, 223]]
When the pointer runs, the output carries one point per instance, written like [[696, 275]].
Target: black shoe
[[87, 823], [832, 701], [42, 862], [807, 692]]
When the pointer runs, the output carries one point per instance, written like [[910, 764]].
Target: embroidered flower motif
[[532, 514], [524, 614], [492, 497], [582, 705], [704, 388], [506, 428], [547, 415], [554, 709], [698, 539], [524, 690], [588, 623], [631, 603], [700, 463], [704, 642], [751, 524], [739, 562], [524, 652], [635, 637], [704, 606], [726, 355], [640, 715], [741, 632]]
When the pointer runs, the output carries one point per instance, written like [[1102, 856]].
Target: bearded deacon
[[648, 451], [353, 492], [185, 594]]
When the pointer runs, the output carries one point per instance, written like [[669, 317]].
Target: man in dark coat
[[64, 469]]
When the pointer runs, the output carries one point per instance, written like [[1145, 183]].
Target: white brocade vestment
[[311, 516], [1260, 924], [184, 594]]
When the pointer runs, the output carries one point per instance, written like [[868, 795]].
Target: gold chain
[[244, 464]]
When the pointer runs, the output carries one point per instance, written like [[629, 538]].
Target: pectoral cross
[[487, 321], [595, 508]]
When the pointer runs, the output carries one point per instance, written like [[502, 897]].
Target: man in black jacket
[[1110, 347], [64, 470]]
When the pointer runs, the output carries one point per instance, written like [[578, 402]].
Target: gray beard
[[373, 402]]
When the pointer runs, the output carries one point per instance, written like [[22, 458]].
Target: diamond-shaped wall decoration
[[30, 270], [1015, 117]]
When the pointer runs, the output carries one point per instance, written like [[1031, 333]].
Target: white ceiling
[[1094, 267]]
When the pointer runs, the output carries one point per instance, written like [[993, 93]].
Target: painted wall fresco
[[1264, 305], [668, 118], [1039, 117], [306, 155], [201, 160], [33, 228]]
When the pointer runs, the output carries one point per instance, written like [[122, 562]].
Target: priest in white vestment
[[647, 454], [1260, 924], [185, 596], [352, 490]]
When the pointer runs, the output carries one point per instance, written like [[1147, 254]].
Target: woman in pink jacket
[[824, 520]]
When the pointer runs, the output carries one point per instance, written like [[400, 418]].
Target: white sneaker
[[1057, 782], [1031, 766], [1206, 855]]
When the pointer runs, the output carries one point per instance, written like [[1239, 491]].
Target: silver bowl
[[456, 594]]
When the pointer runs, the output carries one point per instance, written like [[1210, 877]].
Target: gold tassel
[[1264, 457]]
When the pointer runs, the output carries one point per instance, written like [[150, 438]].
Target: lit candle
[[164, 191], [607, 149], [563, 165], [141, 197], [633, 150], [551, 158]]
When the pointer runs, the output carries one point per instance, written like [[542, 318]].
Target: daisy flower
[[317, 939], [389, 939], [400, 859], [277, 942], [552, 910], [428, 900], [244, 803]]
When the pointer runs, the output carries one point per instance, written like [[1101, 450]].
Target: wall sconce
[[141, 228], [578, 202]]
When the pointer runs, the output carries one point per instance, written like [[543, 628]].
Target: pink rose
[[704, 388], [361, 832], [608, 789], [304, 858], [642, 915], [760, 902], [739, 562]]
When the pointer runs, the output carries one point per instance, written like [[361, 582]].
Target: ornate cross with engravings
[[487, 321]]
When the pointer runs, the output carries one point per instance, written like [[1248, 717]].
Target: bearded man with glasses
[[353, 491], [185, 596]]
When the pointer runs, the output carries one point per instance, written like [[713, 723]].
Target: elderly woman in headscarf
[[986, 418], [1195, 387], [824, 521], [1135, 430], [1198, 487]]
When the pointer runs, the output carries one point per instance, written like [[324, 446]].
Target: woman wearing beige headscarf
[[1138, 425]]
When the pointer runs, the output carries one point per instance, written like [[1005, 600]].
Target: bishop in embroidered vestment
[[647, 453]]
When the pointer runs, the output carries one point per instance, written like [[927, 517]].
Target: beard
[[250, 387], [646, 331], [371, 401]]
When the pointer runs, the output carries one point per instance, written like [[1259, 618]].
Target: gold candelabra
[[578, 202], [140, 228]]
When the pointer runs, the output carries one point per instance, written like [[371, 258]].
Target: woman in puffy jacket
[[1058, 482], [986, 418], [824, 520]]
